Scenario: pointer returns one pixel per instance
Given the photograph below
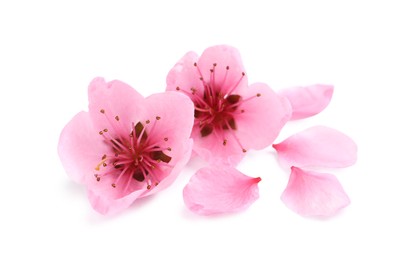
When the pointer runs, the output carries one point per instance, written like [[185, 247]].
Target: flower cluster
[[127, 146]]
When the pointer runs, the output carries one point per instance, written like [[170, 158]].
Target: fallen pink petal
[[318, 146], [126, 146], [230, 116], [308, 101], [314, 194], [218, 189]]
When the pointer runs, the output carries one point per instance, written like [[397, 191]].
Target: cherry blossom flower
[[220, 189], [308, 101], [230, 117], [127, 146]]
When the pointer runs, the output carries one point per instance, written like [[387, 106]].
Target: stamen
[[235, 137], [236, 85], [117, 118]]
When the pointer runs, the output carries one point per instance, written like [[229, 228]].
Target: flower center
[[217, 108], [134, 156]]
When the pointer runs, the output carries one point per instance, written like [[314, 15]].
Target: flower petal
[[184, 75], [174, 116], [225, 79], [176, 170], [308, 101], [110, 206], [317, 146], [263, 116], [215, 190], [314, 194], [212, 150], [116, 99], [79, 147]]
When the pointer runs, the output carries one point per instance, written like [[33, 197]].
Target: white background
[[50, 51]]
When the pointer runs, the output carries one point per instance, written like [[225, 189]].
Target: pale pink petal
[[176, 170], [79, 147], [263, 116], [224, 79], [212, 150], [115, 98], [173, 117], [110, 206], [308, 101], [317, 146], [219, 189], [185, 76], [314, 194]]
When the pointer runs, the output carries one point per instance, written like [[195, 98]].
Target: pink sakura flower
[[230, 117], [311, 193], [127, 146]]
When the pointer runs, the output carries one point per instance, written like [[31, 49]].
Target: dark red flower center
[[134, 156], [217, 108]]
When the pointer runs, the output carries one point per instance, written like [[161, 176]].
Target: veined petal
[[319, 146], [212, 149], [114, 98], [175, 171], [314, 194], [263, 116], [308, 101], [229, 69], [110, 206], [218, 189], [174, 116], [79, 147], [184, 75]]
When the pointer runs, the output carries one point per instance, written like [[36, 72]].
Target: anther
[[201, 78], [243, 73], [169, 149], [227, 67], [148, 187], [211, 70], [105, 130], [158, 118], [242, 110], [117, 118], [258, 95], [244, 150], [104, 156], [224, 142], [101, 132], [102, 111], [104, 164], [177, 88], [165, 139], [214, 64], [113, 185], [195, 64], [147, 122]]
